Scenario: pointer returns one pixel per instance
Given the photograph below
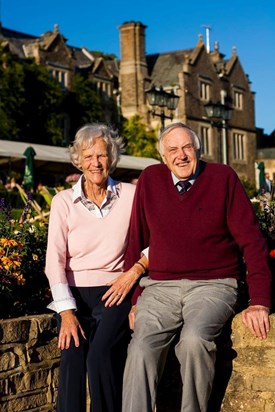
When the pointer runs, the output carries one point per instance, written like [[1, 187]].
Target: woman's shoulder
[[128, 187], [63, 195]]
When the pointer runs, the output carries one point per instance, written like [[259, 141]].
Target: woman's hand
[[120, 286], [69, 329]]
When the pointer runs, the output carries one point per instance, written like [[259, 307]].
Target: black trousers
[[102, 355]]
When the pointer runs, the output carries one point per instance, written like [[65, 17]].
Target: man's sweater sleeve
[[244, 227], [138, 232]]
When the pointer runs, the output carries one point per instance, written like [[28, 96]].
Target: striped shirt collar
[[112, 188]]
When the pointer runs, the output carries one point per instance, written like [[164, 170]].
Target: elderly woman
[[87, 237]]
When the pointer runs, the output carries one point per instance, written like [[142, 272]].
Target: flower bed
[[24, 287]]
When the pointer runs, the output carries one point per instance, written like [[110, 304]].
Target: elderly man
[[199, 225]]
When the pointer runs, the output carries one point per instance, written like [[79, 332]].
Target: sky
[[248, 25]]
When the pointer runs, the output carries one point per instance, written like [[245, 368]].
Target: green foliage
[[266, 216], [34, 106], [24, 288], [14, 199], [140, 141], [82, 103], [30, 108], [249, 187]]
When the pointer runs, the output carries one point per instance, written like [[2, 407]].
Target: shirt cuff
[[62, 298], [145, 252]]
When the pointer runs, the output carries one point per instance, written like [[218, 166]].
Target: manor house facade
[[197, 75]]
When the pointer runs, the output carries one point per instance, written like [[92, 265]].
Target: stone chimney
[[133, 68]]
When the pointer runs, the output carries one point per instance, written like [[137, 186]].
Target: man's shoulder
[[154, 170], [218, 169]]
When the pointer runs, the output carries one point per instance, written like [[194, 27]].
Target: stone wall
[[29, 361], [252, 384]]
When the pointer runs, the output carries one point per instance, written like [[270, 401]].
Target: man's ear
[[163, 159]]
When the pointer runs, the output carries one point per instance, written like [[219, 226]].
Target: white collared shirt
[[192, 180]]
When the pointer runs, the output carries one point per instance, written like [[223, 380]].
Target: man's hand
[[69, 329], [131, 317], [256, 319]]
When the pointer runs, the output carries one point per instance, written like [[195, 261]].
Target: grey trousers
[[196, 309]]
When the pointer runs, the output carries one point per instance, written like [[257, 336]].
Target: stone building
[[63, 62], [198, 76]]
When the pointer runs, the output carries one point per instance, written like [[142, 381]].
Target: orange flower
[[6, 262], [19, 278], [8, 242]]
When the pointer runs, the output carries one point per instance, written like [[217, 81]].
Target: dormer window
[[204, 90], [238, 99], [61, 76]]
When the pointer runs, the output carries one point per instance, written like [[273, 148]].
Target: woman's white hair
[[86, 137], [172, 126]]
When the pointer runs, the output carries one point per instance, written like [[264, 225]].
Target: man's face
[[179, 153]]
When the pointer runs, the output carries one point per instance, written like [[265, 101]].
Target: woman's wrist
[[137, 270], [142, 266]]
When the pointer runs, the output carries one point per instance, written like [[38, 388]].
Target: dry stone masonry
[[29, 362]]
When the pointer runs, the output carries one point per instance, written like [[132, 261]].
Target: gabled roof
[[164, 67], [13, 34], [24, 45], [81, 58], [231, 63]]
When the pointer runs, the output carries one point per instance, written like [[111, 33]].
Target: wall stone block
[[8, 360], [15, 331]]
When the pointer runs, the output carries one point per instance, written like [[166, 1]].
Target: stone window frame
[[205, 89], [206, 137], [239, 146], [103, 87], [61, 75], [238, 98], [206, 140]]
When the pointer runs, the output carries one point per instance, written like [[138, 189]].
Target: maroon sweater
[[203, 234]]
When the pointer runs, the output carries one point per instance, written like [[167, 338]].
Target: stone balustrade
[[29, 361]]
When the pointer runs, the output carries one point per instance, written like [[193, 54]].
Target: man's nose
[[183, 152]]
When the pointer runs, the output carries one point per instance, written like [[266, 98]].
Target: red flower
[[272, 253]]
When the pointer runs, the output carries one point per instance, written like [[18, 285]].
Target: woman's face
[[95, 163]]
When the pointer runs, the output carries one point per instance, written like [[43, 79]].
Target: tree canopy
[[139, 140], [34, 107]]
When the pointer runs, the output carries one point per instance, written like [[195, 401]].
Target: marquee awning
[[10, 151]]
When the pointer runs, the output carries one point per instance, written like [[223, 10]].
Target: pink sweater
[[82, 249]]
